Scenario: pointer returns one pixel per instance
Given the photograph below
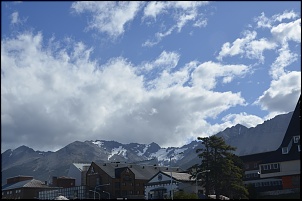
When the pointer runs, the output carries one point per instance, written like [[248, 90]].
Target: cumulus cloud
[[281, 33], [238, 45], [206, 74], [282, 95], [53, 93], [108, 16], [243, 119]]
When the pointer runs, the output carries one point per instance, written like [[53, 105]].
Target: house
[[277, 172], [163, 185], [78, 171], [121, 180], [23, 187]]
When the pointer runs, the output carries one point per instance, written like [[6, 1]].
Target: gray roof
[[25, 184], [180, 176], [140, 171], [81, 166]]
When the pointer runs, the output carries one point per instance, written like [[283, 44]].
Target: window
[[137, 192], [284, 150], [137, 184], [123, 184], [247, 166], [276, 165], [299, 149], [265, 167], [296, 139]]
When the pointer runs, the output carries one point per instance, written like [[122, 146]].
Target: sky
[[164, 72]]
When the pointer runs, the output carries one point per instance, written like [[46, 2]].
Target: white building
[[160, 185]]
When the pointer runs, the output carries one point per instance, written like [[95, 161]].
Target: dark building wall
[[64, 182], [18, 179]]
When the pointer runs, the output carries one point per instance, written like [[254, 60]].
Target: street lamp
[[197, 176], [107, 193], [171, 191], [98, 186], [96, 192]]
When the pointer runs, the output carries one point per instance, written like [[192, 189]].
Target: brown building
[[23, 187], [64, 182], [120, 180]]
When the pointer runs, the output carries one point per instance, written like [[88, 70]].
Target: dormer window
[[284, 150], [296, 139]]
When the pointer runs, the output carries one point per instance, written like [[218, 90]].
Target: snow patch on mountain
[[98, 143], [118, 151]]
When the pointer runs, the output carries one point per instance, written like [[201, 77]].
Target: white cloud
[[238, 45], [281, 34], [206, 74], [282, 95], [254, 49], [262, 21], [57, 94], [108, 16], [284, 59], [243, 119], [290, 31], [16, 20], [15, 17], [285, 15], [182, 13], [166, 60]]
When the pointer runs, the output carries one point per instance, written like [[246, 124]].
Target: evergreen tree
[[222, 171]]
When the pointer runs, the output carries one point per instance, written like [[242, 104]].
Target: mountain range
[[41, 165]]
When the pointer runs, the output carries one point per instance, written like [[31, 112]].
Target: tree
[[226, 169]]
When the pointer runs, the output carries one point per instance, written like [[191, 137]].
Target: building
[[161, 185], [78, 171], [76, 192], [121, 180], [64, 182], [277, 172], [23, 187]]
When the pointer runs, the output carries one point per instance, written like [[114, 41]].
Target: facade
[[162, 185], [23, 187], [121, 180], [76, 192], [277, 172], [78, 171], [64, 182]]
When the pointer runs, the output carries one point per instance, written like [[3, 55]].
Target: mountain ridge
[[25, 161]]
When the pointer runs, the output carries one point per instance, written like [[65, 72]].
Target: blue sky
[[164, 72]]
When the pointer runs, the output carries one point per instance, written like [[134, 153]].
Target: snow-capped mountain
[[42, 165]]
